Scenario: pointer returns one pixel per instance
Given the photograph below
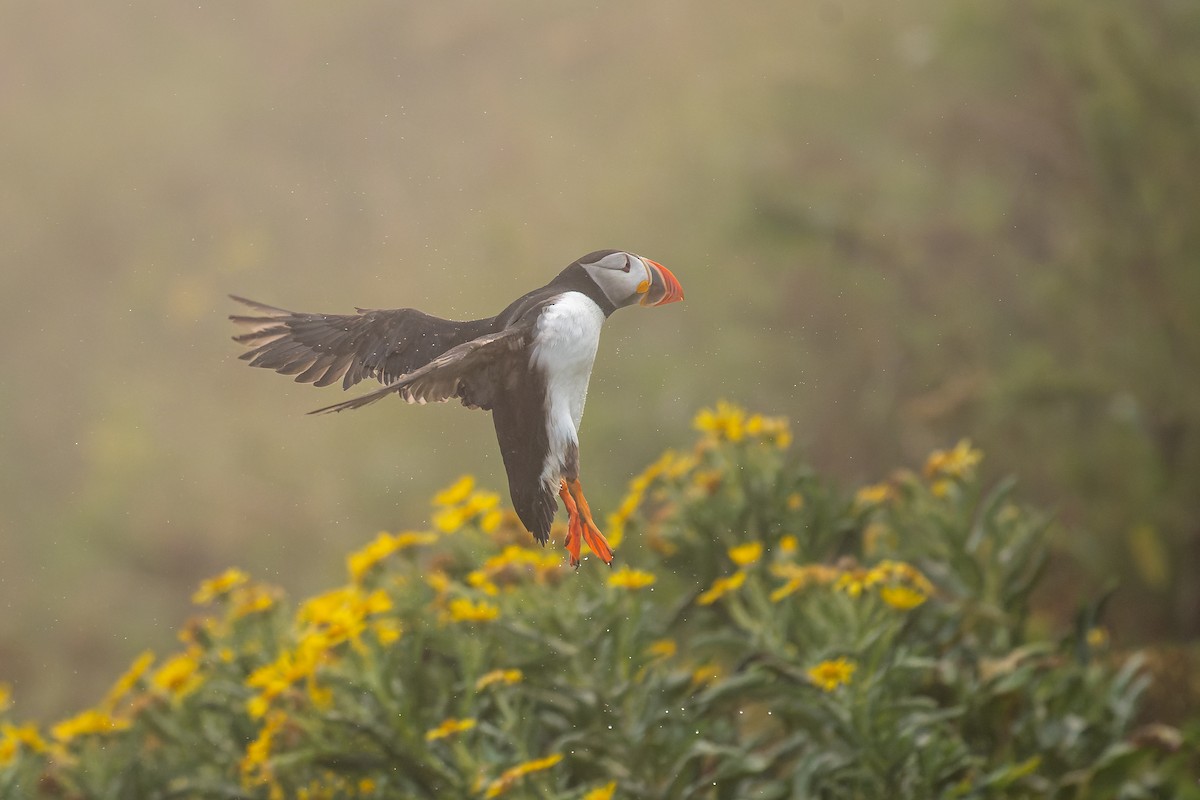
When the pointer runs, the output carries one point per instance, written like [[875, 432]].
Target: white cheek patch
[[617, 276]]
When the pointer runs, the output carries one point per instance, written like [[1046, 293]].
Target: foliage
[[1023, 263], [893, 221], [775, 639]]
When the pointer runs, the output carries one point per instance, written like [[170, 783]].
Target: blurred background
[[896, 224]]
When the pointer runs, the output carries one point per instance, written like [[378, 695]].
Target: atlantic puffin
[[529, 365]]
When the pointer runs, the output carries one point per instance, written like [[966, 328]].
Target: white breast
[[564, 347]]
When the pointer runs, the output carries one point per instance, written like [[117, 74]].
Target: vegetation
[[898, 224], [763, 636]]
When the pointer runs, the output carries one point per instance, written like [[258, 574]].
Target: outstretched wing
[[469, 372], [321, 349]]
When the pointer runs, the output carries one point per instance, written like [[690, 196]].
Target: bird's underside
[[482, 363]]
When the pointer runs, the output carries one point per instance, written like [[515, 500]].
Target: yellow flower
[[511, 556], [663, 648], [795, 501], [515, 562], [774, 430], [285, 670], [460, 504], [514, 555], [505, 676], [788, 546], [277, 677], [5, 695], [602, 792], [450, 520], [449, 727], [902, 598], [254, 766], [480, 503], [340, 615], [439, 581], [253, 600], [403, 541], [463, 610], [957, 463], [1097, 637], [616, 528], [678, 466], [491, 520], [706, 674], [219, 586], [86, 723], [513, 774], [852, 582], [722, 587], [387, 631], [13, 738], [667, 464], [727, 422], [480, 580], [874, 495], [829, 675], [456, 493], [632, 579], [888, 571], [360, 562], [178, 676], [321, 696], [128, 681], [258, 706], [198, 634], [800, 576], [746, 554]]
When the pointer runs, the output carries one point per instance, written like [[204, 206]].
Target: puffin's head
[[627, 279]]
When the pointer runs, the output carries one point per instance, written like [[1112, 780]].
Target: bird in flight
[[529, 365]]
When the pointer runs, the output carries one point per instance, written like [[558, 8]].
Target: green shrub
[[776, 639]]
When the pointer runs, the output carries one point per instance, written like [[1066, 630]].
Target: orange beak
[[664, 287]]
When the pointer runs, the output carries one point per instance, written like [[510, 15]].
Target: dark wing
[[321, 349], [467, 372], [520, 424]]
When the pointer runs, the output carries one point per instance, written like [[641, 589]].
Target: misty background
[[896, 224]]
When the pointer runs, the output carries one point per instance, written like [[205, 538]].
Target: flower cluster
[[766, 637], [461, 504], [234, 589], [361, 562], [730, 423], [515, 565], [669, 464], [946, 468]]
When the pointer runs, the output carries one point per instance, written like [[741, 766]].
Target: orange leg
[[591, 534], [574, 527]]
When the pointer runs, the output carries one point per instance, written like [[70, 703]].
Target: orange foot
[[581, 526]]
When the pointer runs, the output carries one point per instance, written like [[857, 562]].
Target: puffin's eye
[[626, 267]]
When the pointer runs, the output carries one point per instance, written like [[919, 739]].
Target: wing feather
[[466, 372], [382, 344]]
